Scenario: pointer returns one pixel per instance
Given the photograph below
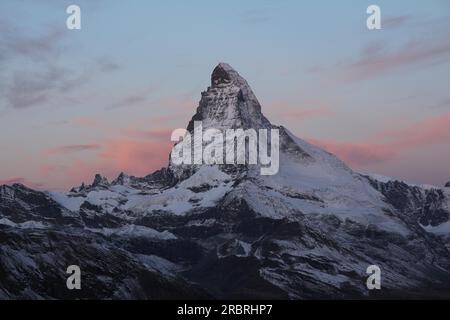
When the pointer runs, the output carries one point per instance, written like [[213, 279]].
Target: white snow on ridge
[[442, 229], [181, 199], [108, 199], [386, 179], [159, 264], [71, 203], [177, 200], [206, 175], [24, 225], [381, 178], [135, 231]]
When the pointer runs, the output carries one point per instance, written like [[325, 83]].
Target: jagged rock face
[[229, 103], [428, 206], [100, 181], [308, 232], [20, 205]]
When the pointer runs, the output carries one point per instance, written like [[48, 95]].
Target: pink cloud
[[357, 154], [390, 143], [378, 58], [138, 153], [12, 180], [51, 169], [435, 130], [73, 148], [85, 122], [136, 157], [135, 150]]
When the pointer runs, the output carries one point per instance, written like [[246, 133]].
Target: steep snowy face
[[229, 103]]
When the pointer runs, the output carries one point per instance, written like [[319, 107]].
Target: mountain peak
[[99, 180], [229, 102], [122, 179], [224, 73]]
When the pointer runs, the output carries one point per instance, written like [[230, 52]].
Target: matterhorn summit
[[226, 231], [229, 102]]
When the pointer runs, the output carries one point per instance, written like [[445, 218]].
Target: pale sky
[[105, 98]]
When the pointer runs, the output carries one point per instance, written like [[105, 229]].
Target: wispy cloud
[[395, 21], [48, 169], [136, 157], [444, 103], [12, 180], [28, 89], [182, 102], [129, 101], [428, 47], [15, 43], [133, 150], [107, 64], [73, 148], [139, 157], [391, 143], [32, 71]]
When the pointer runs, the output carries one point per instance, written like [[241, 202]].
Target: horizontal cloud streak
[[74, 148], [375, 63], [390, 143], [395, 21], [33, 73], [357, 154], [12, 180]]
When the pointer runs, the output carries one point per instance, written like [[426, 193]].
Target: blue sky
[[101, 99]]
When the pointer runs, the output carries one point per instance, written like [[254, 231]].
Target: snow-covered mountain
[[225, 231]]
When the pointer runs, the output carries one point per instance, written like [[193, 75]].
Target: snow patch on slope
[[71, 203], [442, 229], [212, 185], [134, 231]]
